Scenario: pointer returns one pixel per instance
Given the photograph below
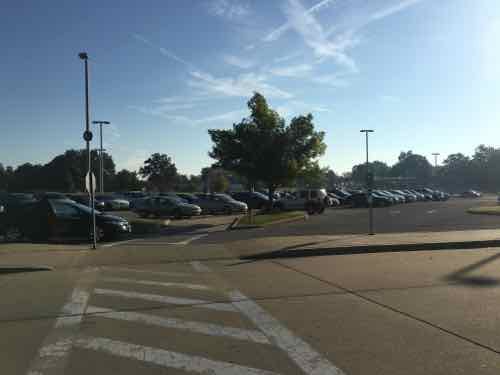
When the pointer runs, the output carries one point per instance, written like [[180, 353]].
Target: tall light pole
[[369, 186], [87, 136], [101, 177], [436, 154]]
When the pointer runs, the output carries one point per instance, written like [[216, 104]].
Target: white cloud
[[297, 107], [276, 33], [292, 70], [287, 57], [396, 8], [165, 52], [334, 80], [311, 31], [230, 9], [391, 99], [239, 62], [226, 117], [241, 86]]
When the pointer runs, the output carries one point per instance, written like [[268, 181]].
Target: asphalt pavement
[[185, 303], [403, 218]]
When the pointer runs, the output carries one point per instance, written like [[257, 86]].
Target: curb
[[368, 249], [20, 269]]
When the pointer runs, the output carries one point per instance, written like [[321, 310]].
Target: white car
[[311, 200]]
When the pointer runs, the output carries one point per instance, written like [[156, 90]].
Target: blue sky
[[424, 74]]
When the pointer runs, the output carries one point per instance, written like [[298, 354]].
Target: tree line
[[456, 173]]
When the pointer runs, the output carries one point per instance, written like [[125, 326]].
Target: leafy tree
[[313, 177], [378, 168], [331, 179], [413, 166], [126, 180], [262, 148], [160, 172], [215, 180]]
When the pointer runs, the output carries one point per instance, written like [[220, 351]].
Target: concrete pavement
[[179, 305]]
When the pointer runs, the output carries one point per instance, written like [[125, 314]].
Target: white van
[[310, 200]]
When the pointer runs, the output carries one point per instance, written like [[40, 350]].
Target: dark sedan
[[64, 218]]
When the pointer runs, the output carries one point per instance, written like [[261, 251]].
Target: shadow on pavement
[[298, 251], [461, 276]]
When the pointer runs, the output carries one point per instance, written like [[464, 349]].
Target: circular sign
[[87, 135]]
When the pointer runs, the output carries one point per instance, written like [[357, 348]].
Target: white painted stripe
[[167, 299], [199, 267], [192, 326], [112, 244], [155, 273], [155, 283], [53, 354], [311, 362], [430, 212], [187, 241], [167, 358]]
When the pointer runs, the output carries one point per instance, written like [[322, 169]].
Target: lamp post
[[101, 162], [369, 184], [87, 136], [436, 154]]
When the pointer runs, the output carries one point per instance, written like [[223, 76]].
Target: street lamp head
[[83, 55], [366, 131], [101, 122]]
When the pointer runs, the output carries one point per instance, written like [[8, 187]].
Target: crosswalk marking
[[198, 327], [53, 354], [155, 283], [311, 362], [167, 358], [167, 299]]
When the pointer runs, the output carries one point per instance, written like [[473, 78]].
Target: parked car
[[165, 206], [64, 218], [113, 203], [312, 201], [215, 203], [334, 200], [471, 194], [361, 200], [254, 200], [85, 200]]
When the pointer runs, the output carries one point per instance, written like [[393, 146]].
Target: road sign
[[87, 135], [87, 182]]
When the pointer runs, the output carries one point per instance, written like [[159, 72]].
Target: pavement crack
[[357, 293]]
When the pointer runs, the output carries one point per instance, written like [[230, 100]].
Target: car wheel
[[99, 234], [178, 214], [311, 210], [13, 233]]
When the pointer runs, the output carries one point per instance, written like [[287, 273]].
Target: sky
[[424, 74]]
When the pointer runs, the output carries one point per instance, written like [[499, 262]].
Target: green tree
[[126, 180], [160, 172], [412, 165], [378, 168], [262, 148], [313, 177]]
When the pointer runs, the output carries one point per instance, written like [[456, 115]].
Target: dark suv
[[254, 200]]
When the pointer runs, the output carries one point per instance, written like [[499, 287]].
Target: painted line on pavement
[[431, 212], [311, 362], [199, 267], [187, 241], [155, 283], [53, 354], [299, 351], [166, 358], [112, 244], [192, 326], [167, 299], [156, 273]]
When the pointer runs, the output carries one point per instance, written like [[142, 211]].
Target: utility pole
[[87, 136], [436, 154], [369, 184], [101, 161]]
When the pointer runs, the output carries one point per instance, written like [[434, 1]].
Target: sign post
[[90, 187]]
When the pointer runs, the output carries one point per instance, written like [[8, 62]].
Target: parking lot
[[419, 216]]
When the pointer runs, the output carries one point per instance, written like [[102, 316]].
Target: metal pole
[[102, 163], [370, 203], [87, 129]]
